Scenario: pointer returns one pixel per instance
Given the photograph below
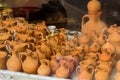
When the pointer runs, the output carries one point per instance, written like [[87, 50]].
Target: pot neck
[[94, 16]]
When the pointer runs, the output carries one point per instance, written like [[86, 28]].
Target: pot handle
[[92, 69], [85, 16], [22, 57], [77, 70]]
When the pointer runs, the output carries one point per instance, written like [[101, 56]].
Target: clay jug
[[14, 62], [95, 47], [101, 39], [54, 63], [3, 59], [63, 70], [84, 39], [105, 55], [101, 74], [29, 64], [94, 24], [44, 69], [85, 73]]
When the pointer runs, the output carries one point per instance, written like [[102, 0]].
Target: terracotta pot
[[14, 62], [44, 69], [30, 64], [3, 59], [63, 70], [85, 73]]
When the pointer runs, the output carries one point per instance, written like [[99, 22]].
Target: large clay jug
[[63, 70], [30, 64], [94, 24], [85, 73], [14, 62], [44, 69], [3, 58]]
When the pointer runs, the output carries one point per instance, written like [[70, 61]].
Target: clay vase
[[29, 64], [117, 74], [14, 62], [63, 70], [3, 59], [105, 56], [101, 74], [85, 73], [94, 24], [54, 63], [108, 45], [44, 69]]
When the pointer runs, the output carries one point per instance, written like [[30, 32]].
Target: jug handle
[[85, 16], [21, 56], [77, 70], [91, 67]]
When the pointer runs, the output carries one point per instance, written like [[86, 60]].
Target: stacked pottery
[[105, 63]]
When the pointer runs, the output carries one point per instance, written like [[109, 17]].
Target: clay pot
[[14, 62], [63, 71], [85, 73], [108, 45], [29, 64], [3, 59], [44, 69], [101, 74], [105, 55], [92, 24], [91, 55], [54, 63], [95, 47]]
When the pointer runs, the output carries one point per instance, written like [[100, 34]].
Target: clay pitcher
[[14, 62], [44, 68], [30, 64], [101, 74], [3, 58], [54, 63], [85, 73], [63, 70]]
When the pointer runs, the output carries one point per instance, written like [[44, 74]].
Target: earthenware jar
[[14, 62], [105, 55], [44, 69], [91, 55], [54, 63], [95, 47], [85, 73], [94, 24], [3, 59], [29, 64], [84, 38], [101, 74], [63, 71]]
